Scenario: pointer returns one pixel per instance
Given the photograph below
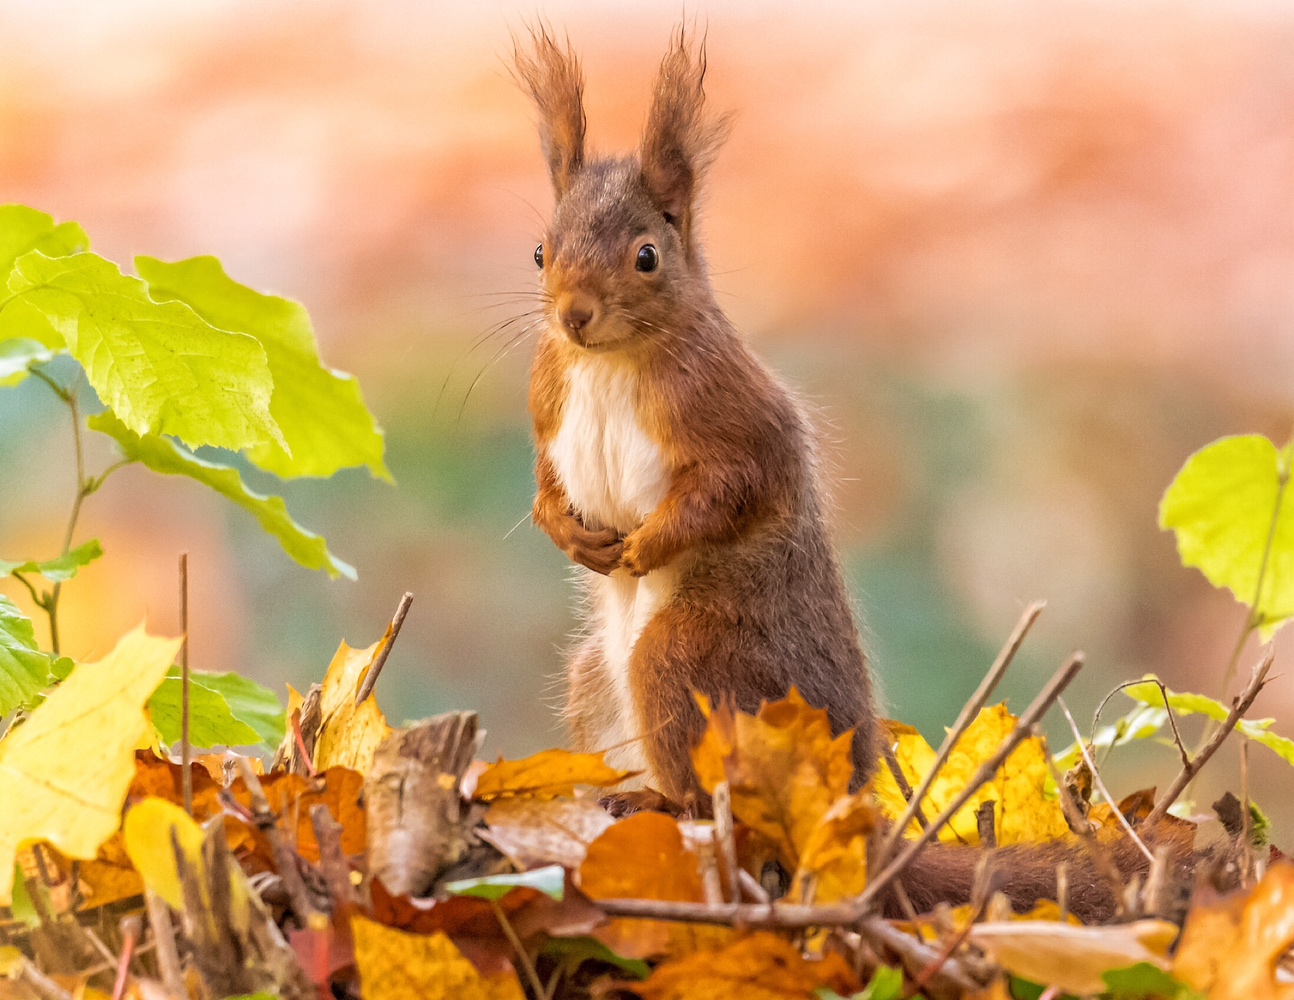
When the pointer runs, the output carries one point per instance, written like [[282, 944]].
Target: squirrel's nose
[[576, 311]]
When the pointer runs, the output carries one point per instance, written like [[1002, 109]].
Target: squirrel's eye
[[539, 256], [648, 258]]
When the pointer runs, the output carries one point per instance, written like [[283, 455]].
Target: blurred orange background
[[1023, 259]]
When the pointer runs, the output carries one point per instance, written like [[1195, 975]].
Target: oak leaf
[[762, 966], [64, 773], [1023, 812], [783, 767], [547, 774], [396, 965], [1231, 945], [1073, 958], [349, 734]]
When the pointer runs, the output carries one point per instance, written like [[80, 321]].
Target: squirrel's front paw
[[598, 550], [633, 560]]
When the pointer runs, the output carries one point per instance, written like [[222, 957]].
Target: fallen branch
[[968, 713], [1023, 727], [1192, 767]]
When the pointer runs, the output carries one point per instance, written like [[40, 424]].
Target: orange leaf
[[548, 774], [760, 967], [645, 857], [394, 965], [1231, 944], [836, 852], [783, 766]]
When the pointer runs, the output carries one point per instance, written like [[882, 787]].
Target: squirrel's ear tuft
[[552, 77], [680, 141]]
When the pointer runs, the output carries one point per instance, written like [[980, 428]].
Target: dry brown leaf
[[1073, 958], [1231, 944], [349, 734], [835, 855], [395, 965], [534, 832], [645, 857], [762, 966], [1023, 813], [783, 767], [547, 774]]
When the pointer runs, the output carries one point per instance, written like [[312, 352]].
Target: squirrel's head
[[619, 262]]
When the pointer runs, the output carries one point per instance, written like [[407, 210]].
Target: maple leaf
[[1023, 812], [64, 773], [349, 734], [396, 965], [1073, 958], [783, 767], [1231, 945], [762, 966], [547, 774]]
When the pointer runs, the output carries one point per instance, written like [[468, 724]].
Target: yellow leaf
[[783, 767], [762, 966], [1023, 812], [547, 774], [1231, 945], [1073, 958], [916, 757], [64, 772], [349, 734], [835, 854], [394, 965], [148, 833]]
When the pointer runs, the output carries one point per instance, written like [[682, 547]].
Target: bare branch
[[397, 622]]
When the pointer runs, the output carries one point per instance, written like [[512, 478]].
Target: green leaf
[[17, 356], [1144, 980], [1143, 722], [224, 710], [21, 906], [24, 669], [1186, 703], [551, 881], [575, 951], [58, 570], [24, 229], [165, 456], [1221, 506], [886, 984], [159, 366], [211, 723], [321, 412]]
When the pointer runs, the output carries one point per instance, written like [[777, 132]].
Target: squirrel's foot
[[597, 549]]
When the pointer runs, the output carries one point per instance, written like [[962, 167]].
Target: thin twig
[[945, 954], [370, 679], [968, 713], [1105, 865], [721, 800], [130, 928], [1247, 827], [163, 933], [1023, 727], [186, 747], [30, 976], [901, 779], [1192, 767], [1163, 693], [1100, 784], [519, 948]]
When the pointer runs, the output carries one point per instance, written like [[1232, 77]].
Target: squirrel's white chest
[[613, 472]]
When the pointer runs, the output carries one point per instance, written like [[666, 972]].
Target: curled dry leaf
[[548, 774], [64, 773], [1073, 958], [534, 832], [349, 734], [759, 967], [783, 767], [1024, 813], [1231, 945], [396, 965]]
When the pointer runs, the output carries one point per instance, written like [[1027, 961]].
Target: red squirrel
[[684, 477]]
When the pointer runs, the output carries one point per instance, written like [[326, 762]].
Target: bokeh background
[[1023, 258]]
